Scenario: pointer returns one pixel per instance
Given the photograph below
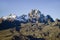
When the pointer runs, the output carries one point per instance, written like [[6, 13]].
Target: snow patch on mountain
[[11, 16]]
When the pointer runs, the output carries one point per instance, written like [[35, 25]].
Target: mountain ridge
[[36, 26]]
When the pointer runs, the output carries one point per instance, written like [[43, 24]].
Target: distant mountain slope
[[34, 26]]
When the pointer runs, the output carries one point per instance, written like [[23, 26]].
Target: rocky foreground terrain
[[35, 27]]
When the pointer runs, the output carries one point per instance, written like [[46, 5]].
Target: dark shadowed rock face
[[8, 24], [48, 17]]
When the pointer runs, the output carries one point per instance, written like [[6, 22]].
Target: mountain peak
[[11, 16], [34, 13], [33, 16]]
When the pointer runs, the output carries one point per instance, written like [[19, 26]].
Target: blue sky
[[19, 7]]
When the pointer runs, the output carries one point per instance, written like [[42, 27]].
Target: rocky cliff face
[[36, 15]]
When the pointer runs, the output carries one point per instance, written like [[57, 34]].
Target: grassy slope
[[4, 34], [49, 32]]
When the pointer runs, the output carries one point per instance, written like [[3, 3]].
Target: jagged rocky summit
[[33, 16], [36, 15]]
